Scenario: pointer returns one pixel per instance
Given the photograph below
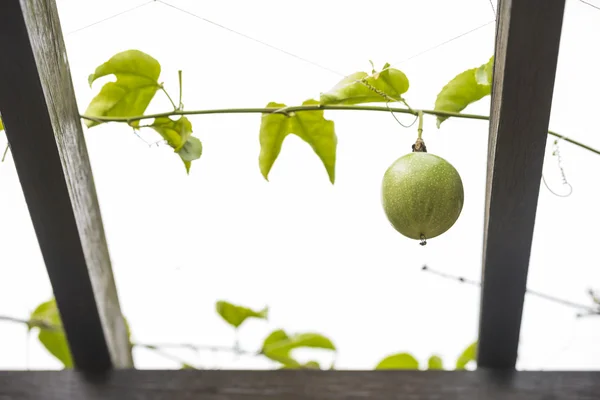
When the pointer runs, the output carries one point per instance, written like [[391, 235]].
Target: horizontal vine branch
[[293, 109]]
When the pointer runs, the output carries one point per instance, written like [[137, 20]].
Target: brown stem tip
[[419, 146]]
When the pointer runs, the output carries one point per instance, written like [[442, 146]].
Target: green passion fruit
[[422, 195]]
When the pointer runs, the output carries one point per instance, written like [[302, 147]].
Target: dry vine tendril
[[565, 182]]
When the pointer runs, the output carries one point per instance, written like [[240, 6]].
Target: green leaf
[[352, 89], [310, 126], [178, 133], [435, 362], [1, 125], [137, 82], [398, 361], [483, 75], [191, 150], [468, 355], [278, 345], [54, 341], [187, 366], [463, 90], [236, 315]]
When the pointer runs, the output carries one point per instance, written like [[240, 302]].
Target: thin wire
[[363, 81], [567, 303], [493, 8], [442, 43], [251, 38], [109, 18], [590, 4], [325, 68]]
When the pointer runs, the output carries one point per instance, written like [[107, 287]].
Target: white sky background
[[323, 257]]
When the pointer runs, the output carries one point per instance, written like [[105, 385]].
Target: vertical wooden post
[[38, 108], [527, 42]]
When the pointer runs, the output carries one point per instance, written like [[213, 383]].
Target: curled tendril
[[565, 182]]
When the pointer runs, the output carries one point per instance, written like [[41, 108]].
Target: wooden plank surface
[[527, 41], [42, 123], [301, 385]]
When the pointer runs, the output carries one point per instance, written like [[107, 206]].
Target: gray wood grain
[[38, 107], [300, 385], [527, 43]]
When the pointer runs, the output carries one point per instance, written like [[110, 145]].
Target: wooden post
[[527, 42], [38, 108]]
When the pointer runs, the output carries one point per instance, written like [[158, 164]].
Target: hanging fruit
[[422, 194]]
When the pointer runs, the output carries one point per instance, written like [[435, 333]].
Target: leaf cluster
[[137, 81], [278, 346]]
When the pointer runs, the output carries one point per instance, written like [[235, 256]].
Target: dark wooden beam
[[42, 123], [300, 385], [527, 42]]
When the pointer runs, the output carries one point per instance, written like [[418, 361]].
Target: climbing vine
[[137, 81], [137, 74], [278, 346]]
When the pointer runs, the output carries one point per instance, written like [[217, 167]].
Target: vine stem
[[590, 310], [34, 323], [5, 152], [197, 348], [420, 127], [166, 355], [157, 348], [286, 110], [180, 75], [170, 99]]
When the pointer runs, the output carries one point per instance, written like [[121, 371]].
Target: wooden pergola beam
[[527, 42], [300, 385], [39, 111]]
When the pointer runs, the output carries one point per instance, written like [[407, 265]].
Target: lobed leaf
[[137, 82], [465, 88], [468, 355], [398, 361], [310, 126], [236, 315], [391, 82]]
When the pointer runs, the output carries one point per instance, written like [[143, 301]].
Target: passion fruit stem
[[420, 128], [419, 146]]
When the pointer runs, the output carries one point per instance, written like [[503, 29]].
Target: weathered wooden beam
[[299, 385], [527, 42], [42, 123]]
